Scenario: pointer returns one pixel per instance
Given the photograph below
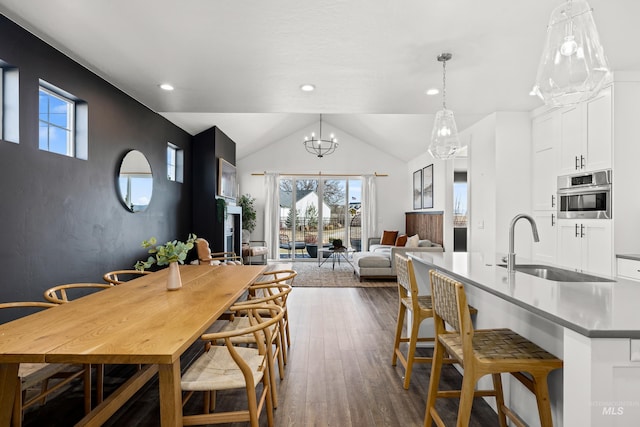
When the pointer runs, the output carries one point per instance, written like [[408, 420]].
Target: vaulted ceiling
[[239, 64]]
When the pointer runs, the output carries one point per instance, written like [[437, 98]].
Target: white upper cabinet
[[572, 139], [586, 135], [546, 142], [599, 131]]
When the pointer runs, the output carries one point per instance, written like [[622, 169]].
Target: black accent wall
[[61, 218], [208, 147]]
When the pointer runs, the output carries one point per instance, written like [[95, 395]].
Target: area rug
[[311, 275]]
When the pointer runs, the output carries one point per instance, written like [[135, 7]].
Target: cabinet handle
[[581, 230], [553, 201], [582, 161], [577, 165], [577, 232], [553, 222]]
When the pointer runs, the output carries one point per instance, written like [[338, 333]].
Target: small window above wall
[[9, 119], [175, 163], [63, 122]]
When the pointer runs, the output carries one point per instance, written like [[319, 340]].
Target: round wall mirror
[[135, 181]]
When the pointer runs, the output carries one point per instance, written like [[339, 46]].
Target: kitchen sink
[[556, 274]]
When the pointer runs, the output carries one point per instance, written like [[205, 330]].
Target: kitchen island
[[593, 326]]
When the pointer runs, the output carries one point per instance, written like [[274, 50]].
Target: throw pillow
[[388, 237], [401, 240], [413, 241]]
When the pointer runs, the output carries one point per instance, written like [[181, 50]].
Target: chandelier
[[445, 142], [320, 147], [573, 67]]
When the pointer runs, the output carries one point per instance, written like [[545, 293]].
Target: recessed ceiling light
[[166, 86], [432, 91], [307, 87]]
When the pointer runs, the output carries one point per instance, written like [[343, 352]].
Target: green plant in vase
[[172, 253]]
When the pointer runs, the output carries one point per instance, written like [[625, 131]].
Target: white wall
[[352, 156], [482, 184], [499, 182]]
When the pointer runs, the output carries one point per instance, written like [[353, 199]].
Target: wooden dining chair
[[275, 347], [420, 308], [118, 277], [32, 374], [482, 352], [205, 256], [228, 366], [272, 282], [60, 295]]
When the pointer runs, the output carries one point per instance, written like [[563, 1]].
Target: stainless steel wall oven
[[585, 195]]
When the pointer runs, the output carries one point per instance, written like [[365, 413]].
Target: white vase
[[174, 282]]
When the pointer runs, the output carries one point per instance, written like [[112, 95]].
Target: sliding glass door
[[315, 212]]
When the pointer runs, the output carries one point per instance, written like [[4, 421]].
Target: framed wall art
[[417, 189], [427, 187], [227, 180]]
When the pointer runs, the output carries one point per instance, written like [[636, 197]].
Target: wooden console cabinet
[[427, 225]]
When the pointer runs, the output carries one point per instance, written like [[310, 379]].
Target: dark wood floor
[[339, 372]]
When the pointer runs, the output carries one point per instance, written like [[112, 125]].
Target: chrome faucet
[[511, 256]]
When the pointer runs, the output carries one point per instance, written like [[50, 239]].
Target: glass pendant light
[[573, 67], [445, 142]]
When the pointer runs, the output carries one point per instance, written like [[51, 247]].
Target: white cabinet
[[586, 135], [545, 134], [585, 245], [544, 251], [599, 131], [628, 268]]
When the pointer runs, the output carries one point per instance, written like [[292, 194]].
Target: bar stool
[[480, 353], [421, 309]]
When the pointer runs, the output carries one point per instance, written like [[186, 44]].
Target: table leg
[[8, 384], [170, 395]]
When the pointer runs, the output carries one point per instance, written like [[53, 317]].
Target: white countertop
[[593, 309]]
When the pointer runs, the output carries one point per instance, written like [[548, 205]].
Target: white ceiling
[[239, 64]]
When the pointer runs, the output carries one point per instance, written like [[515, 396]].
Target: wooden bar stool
[[421, 309], [480, 353]]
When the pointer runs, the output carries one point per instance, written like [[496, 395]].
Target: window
[[63, 122], [175, 163], [56, 123], [9, 123]]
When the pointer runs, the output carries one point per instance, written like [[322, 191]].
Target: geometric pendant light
[[572, 67], [445, 142]]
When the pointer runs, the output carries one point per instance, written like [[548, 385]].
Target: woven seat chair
[[420, 308], [118, 277], [33, 374], [205, 256], [272, 282], [480, 353], [275, 346], [228, 366]]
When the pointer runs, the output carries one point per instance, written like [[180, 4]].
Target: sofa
[[379, 261]]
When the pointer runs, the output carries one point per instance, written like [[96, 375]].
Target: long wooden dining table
[[139, 322]]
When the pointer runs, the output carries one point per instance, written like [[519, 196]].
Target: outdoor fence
[[307, 231]]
